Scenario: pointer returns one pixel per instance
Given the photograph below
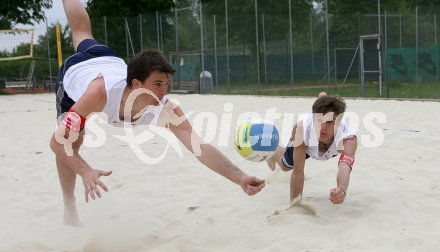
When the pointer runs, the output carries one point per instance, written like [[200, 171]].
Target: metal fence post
[[291, 47], [379, 46], [202, 46], [227, 47], [335, 66], [400, 29], [417, 44], [385, 47], [361, 56], [311, 44], [157, 30], [257, 45], [176, 28], [140, 31], [215, 52], [264, 51], [126, 38], [48, 55], [328, 45], [435, 28]]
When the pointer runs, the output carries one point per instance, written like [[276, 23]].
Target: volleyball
[[256, 141]]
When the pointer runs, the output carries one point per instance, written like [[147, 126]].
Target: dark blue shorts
[[87, 49], [288, 155]]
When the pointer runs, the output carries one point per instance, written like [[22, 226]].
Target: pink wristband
[[348, 159]]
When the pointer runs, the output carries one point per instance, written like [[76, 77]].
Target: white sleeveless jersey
[[114, 71], [311, 140]]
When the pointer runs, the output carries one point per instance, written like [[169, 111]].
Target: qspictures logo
[[207, 127]]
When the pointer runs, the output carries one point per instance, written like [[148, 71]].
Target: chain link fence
[[264, 52]]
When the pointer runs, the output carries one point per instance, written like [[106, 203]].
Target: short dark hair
[[145, 62], [325, 104]]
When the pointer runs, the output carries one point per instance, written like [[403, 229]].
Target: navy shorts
[[87, 49], [288, 155]]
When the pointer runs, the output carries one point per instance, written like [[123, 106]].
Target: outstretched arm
[[338, 194], [66, 140], [209, 155], [79, 21], [299, 160]]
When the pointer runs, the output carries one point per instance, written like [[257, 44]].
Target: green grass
[[400, 90], [424, 90]]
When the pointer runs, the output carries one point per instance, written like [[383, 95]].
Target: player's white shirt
[[312, 143], [114, 71]]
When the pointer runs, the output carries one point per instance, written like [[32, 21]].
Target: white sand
[[393, 201]]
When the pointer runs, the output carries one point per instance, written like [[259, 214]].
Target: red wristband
[[348, 159], [74, 121]]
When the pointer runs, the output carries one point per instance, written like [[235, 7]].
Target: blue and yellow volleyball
[[256, 141]]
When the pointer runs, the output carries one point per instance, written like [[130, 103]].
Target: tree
[[348, 20], [20, 68], [14, 12], [117, 8], [114, 24], [241, 18], [426, 5], [40, 49]]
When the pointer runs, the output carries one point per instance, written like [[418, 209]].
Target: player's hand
[[337, 195], [91, 182], [252, 185]]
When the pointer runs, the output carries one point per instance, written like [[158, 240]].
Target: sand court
[[177, 204]]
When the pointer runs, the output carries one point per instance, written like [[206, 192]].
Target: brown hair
[[146, 61], [325, 104]]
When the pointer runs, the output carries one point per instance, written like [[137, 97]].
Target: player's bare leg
[[67, 181], [276, 158]]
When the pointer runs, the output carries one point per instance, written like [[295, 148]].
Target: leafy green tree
[[431, 6], [115, 11], [22, 12], [348, 20], [20, 68], [116, 8], [21, 49], [241, 20], [40, 49]]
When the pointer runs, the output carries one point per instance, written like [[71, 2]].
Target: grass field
[[401, 90]]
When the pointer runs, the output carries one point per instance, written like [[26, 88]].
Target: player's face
[[325, 126], [158, 82]]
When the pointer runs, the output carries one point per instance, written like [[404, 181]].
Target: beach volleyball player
[[321, 135], [96, 80]]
